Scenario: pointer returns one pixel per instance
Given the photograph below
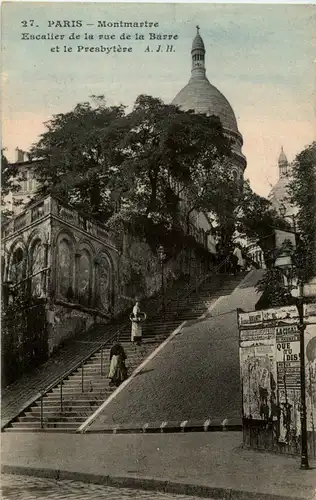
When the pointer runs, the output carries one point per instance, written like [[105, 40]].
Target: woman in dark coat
[[118, 371]]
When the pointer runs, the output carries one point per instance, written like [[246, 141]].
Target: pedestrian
[[118, 371], [136, 318]]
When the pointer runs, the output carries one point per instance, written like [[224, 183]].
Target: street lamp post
[[297, 290], [162, 255], [298, 294]]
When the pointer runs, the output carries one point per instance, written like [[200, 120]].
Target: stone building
[[54, 253]]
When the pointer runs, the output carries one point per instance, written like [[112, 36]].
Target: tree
[[143, 169], [274, 291], [173, 165], [78, 155], [302, 191], [9, 184]]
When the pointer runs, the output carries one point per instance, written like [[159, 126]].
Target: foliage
[[172, 161], [303, 195], [275, 291], [79, 154], [150, 169], [24, 335], [9, 175]]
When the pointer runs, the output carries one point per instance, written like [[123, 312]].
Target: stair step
[[56, 409], [70, 395], [30, 425], [55, 403], [66, 430], [54, 419]]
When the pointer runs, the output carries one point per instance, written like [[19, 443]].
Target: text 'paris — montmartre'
[[78, 23]]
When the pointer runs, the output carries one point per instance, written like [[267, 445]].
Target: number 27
[[25, 24]]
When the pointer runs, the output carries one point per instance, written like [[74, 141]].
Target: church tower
[[283, 165], [198, 56], [203, 97]]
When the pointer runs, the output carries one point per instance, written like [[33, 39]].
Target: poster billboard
[[258, 374], [269, 346]]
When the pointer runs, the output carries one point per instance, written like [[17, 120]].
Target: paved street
[[211, 460], [16, 487], [195, 377]]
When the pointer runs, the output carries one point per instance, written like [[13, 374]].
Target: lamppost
[[297, 293], [296, 288], [282, 210], [162, 256]]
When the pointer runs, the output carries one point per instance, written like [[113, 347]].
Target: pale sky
[[261, 57]]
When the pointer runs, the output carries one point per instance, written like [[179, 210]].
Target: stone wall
[[65, 322]]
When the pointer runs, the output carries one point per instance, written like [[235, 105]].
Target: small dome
[[198, 43], [282, 157]]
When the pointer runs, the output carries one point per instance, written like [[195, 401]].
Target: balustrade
[[37, 212]]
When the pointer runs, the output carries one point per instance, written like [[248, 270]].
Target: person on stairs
[[118, 370], [137, 317]]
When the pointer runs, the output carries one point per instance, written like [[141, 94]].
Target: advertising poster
[[288, 381], [270, 369], [258, 374], [288, 356]]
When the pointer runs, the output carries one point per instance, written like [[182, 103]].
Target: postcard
[[158, 165]]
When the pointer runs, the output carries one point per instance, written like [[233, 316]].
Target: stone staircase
[[67, 405]]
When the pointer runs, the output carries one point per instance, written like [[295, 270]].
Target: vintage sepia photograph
[[158, 257]]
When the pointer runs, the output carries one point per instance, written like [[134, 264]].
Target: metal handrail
[[116, 335]]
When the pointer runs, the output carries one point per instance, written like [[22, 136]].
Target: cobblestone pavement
[[14, 487]]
